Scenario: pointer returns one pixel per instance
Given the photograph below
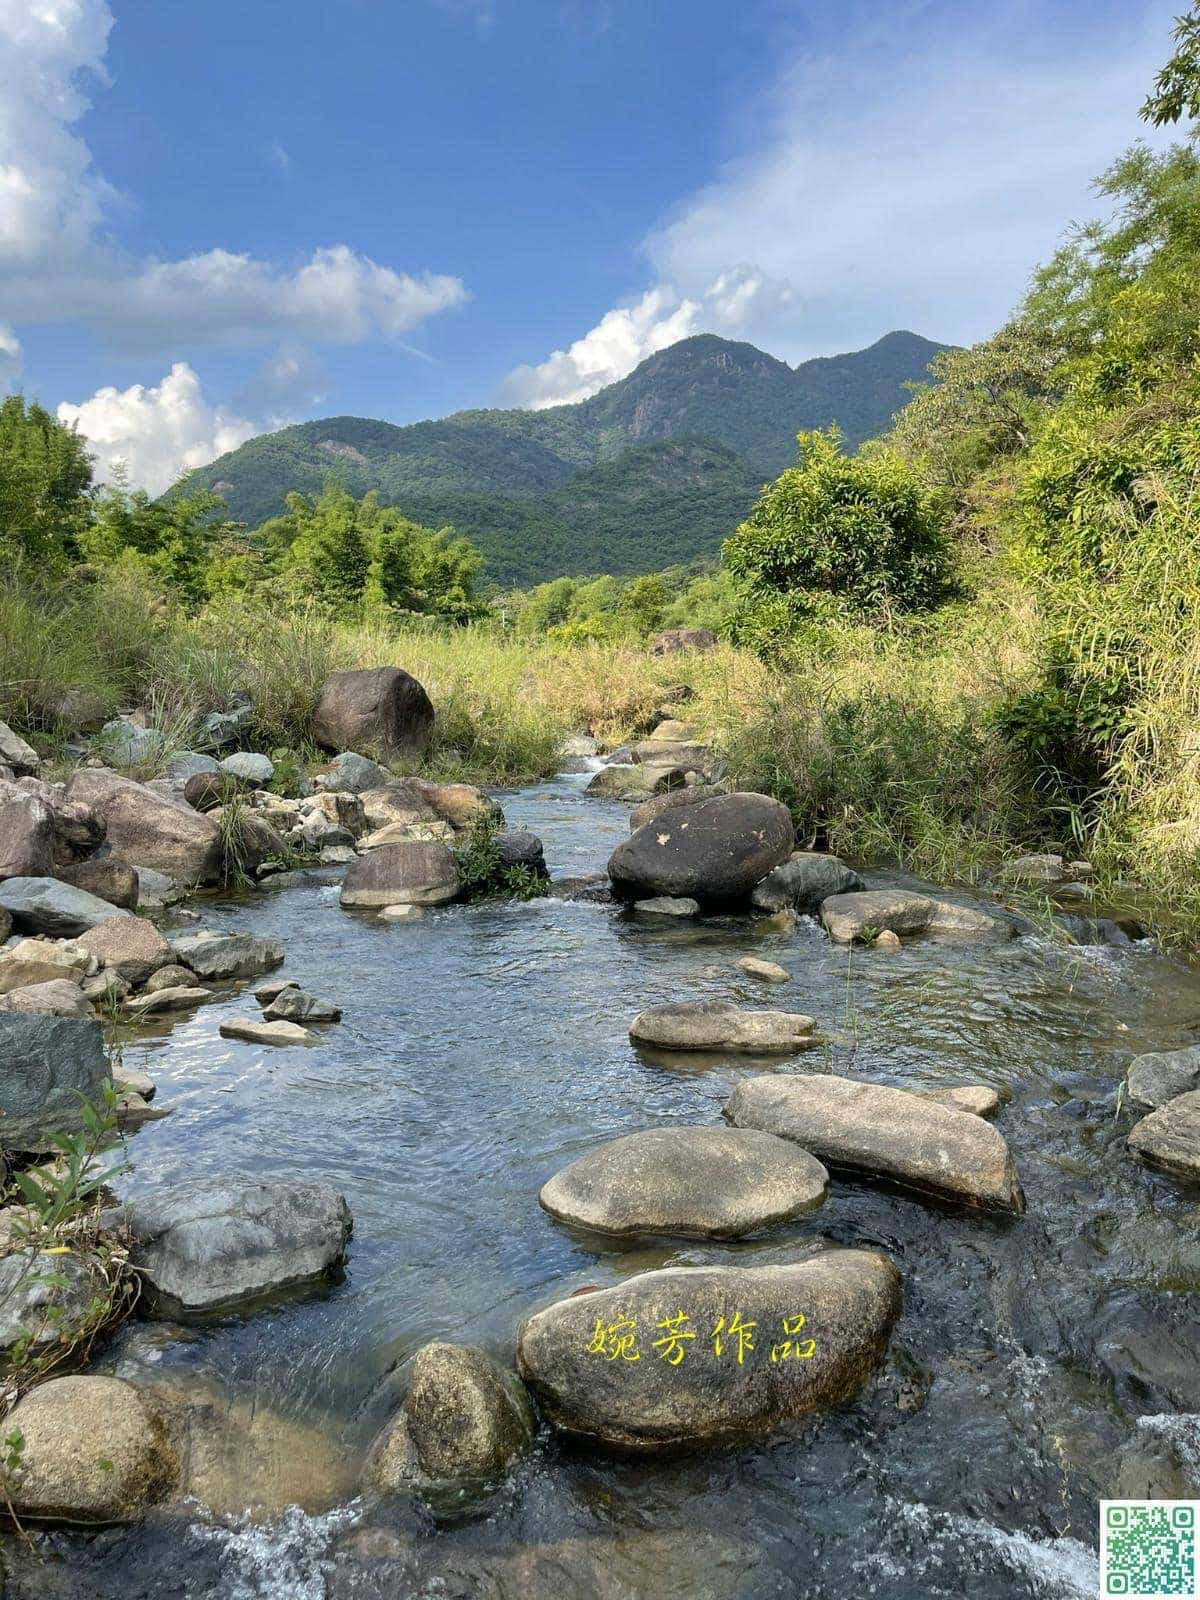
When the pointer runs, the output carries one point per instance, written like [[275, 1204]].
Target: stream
[[484, 1048]]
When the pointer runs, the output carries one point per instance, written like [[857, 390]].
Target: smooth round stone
[[695, 1183], [768, 971]]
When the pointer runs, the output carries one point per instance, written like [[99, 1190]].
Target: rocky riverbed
[[978, 1376]]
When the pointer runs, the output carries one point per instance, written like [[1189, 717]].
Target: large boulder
[[620, 781], [379, 708], [95, 1450], [148, 830], [690, 1355], [720, 1025], [415, 872], [128, 945], [54, 997], [673, 640], [803, 881], [851, 917], [226, 955], [464, 1420], [887, 1133], [1163, 1075], [218, 1241], [106, 877], [717, 850], [1169, 1138], [44, 905], [48, 1067], [78, 829], [694, 1183], [26, 837], [647, 810]]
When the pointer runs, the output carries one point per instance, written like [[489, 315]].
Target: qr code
[[1148, 1547]]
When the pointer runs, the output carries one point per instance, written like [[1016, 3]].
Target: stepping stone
[[294, 1005], [654, 1362], [143, 1005], [720, 1025], [768, 971], [257, 1032], [694, 1183], [227, 955], [265, 992], [1169, 1138], [885, 1133], [666, 905]]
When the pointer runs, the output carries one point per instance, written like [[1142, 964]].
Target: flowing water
[[483, 1049]]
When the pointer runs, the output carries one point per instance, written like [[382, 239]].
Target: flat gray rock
[[215, 1242], [889, 1133], [667, 905], [48, 1065], [417, 872], [295, 1005], [1163, 1075], [720, 1025], [255, 1031], [693, 1183], [44, 905], [851, 917], [653, 1363], [180, 998], [249, 767], [37, 1310], [805, 879], [1169, 1138], [214, 956]]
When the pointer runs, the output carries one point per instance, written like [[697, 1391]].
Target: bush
[[860, 531]]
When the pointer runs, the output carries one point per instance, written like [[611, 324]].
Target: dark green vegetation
[[653, 470]]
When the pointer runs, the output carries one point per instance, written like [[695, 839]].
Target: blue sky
[[217, 218]]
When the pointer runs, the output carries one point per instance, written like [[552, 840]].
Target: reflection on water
[[485, 1048]]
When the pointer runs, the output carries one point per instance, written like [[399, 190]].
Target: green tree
[[172, 541], [863, 530], [330, 555], [1177, 87], [45, 485]]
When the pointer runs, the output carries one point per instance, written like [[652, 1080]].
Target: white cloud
[[626, 335], [58, 260], [154, 434], [10, 356], [908, 175]]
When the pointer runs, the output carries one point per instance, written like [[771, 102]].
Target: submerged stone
[[694, 1183], [654, 1362], [255, 1031]]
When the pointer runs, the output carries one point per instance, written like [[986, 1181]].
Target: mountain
[[657, 468]]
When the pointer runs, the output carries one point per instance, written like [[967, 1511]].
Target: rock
[[48, 1067], [254, 1031], [254, 844], [129, 945], [1033, 869], [44, 905], [227, 955], [294, 1005], [172, 976], [337, 855], [977, 1099], [412, 873], [849, 917], [648, 810], [154, 1001], [350, 773], [56, 997], [317, 832], [186, 764], [887, 940], [665, 905], [264, 993], [579, 747], [343, 810], [79, 710], [106, 877], [42, 1296], [76, 830], [96, 1450], [716, 850], [206, 791], [672, 731], [517, 848], [1161, 1460], [884, 1132], [950, 920], [720, 1025], [16, 753], [803, 881], [1157, 1077], [127, 744], [156, 891], [593, 888], [131, 1081], [1169, 1138], [214, 1242], [400, 801], [132, 1111], [674, 640], [434, 832], [380, 708], [464, 1420], [617, 1365], [221, 728], [147, 830], [768, 971], [250, 768], [402, 913], [693, 1183], [620, 782], [41, 960], [104, 988], [26, 838], [686, 758]]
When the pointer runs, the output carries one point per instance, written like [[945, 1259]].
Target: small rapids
[[484, 1048]]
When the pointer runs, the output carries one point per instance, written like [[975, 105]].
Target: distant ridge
[[653, 470]]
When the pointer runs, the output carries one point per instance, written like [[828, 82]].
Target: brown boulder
[[104, 876], [57, 997], [129, 945], [146, 829], [416, 873], [26, 838], [380, 708]]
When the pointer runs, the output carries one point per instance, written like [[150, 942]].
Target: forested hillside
[[655, 469]]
